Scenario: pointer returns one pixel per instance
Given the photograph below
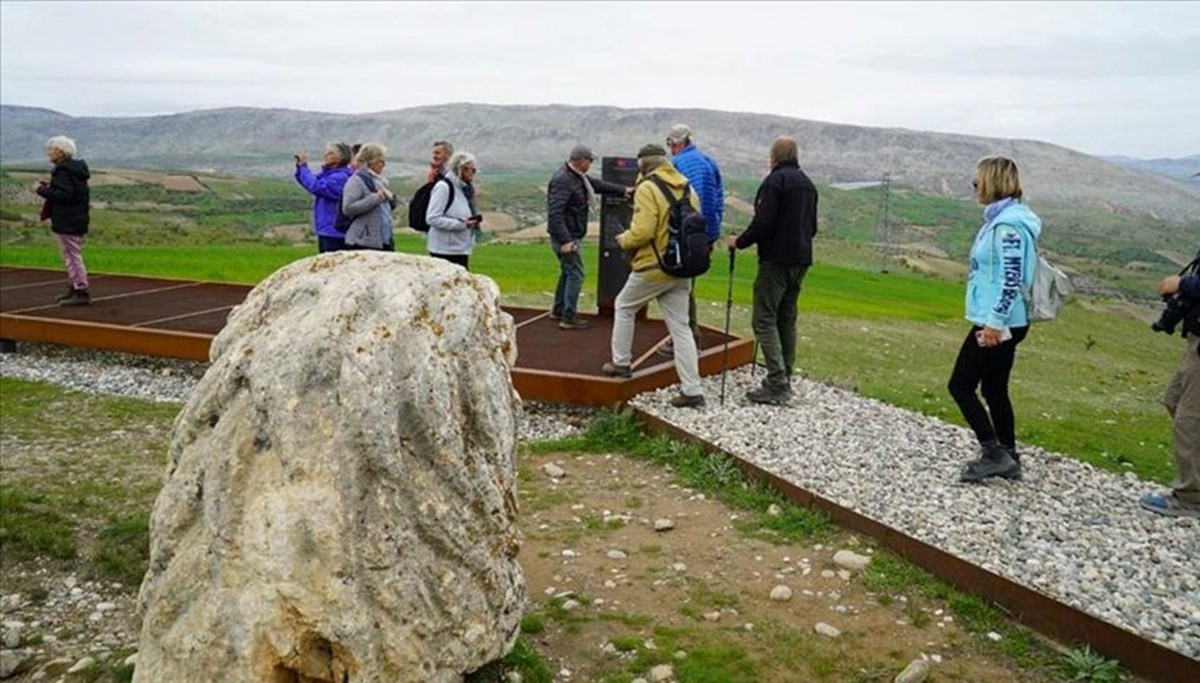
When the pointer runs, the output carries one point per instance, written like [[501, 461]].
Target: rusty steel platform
[[179, 318]]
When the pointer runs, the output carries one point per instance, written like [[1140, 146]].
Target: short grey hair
[[680, 134], [63, 144], [461, 159], [444, 145], [370, 153], [342, 150], [648, 164]]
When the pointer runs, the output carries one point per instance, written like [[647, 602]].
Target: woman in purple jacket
[[326, 188]]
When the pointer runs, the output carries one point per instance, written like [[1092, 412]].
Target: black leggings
[[460, 259], [988, 370]]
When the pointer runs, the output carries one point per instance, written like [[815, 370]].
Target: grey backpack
[[1047, 294]]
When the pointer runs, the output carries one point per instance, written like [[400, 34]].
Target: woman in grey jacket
[[369, 201], [453, 227]]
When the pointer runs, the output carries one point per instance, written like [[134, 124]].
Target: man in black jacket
[[784, 224], [568, 199]]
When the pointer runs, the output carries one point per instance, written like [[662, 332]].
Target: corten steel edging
[[140, 340], [1036, 610]]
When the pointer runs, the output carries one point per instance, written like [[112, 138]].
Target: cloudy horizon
[[1102, 78]]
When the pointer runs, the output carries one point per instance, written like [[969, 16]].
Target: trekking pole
[[728, 314]]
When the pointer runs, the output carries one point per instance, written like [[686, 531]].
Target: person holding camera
[[326, 188], [1182, 399], [453, 222], [1001, 267]]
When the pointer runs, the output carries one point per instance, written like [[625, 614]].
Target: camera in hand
[[1177, 307], [1180, 307]]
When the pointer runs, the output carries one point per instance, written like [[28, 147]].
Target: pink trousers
[[71, 247]]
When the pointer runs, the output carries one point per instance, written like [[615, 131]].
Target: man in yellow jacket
[[647, 282]]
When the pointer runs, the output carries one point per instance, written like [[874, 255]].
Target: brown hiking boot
[[573, 324], [616, 370], [685, 401], [78, 297]]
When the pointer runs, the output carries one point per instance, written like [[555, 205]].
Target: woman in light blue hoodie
[[1001, 268]]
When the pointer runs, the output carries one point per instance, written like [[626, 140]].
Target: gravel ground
[[1069, 530]]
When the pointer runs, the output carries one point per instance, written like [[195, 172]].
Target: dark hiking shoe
[[78, 297], [769, 397], [685, 401], [555, 316], [666, 350], [573, 324], [616, 370], [65, 295], [997, 461]]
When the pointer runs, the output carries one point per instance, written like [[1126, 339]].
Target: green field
[[1087, 385]]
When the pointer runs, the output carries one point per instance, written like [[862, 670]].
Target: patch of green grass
[[122, 550], [627, 643], [1082, 664], [525, 660], [32, 526], [702, 594], [532, 624]]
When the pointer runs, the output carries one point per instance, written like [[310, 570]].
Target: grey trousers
[[776, 290], [1183, 402], [671, 295]]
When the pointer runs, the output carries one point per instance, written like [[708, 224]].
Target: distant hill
[[1186, 168], [535, 138]]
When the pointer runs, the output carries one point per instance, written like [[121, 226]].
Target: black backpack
[[687, 253], [343, 221], [419, 205]]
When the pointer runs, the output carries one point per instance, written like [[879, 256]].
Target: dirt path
[[614, 597]]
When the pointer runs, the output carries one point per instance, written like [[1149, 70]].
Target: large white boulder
[[340, 500]]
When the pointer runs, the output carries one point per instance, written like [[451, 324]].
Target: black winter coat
[[69, 197], [567, 204], [785, 218]]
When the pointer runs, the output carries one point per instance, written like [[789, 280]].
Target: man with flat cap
[[568, 199]]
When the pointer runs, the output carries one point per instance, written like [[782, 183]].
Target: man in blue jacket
[[1183, 402], [704, 176], [326, 188]]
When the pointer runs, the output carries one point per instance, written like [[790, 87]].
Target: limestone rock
[[340, 497], [916, 672], [781, 593], [13, 662], [826, 630], [848, 559]]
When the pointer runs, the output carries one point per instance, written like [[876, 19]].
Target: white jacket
[[449, 233]]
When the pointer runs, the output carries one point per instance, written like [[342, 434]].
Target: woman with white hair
[[67, 196], [453, 221], [369, 201]]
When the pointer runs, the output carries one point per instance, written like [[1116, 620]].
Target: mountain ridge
[[260, 141]]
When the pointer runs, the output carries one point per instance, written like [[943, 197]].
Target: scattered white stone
[[106, 607], [513, 677], [617, 555], [679, 567], [712, 616], [662, 672], [774, 510], [844, 574], [13, 662], [81, 665], [827, 574], [916, 672], [570, 605], [992, 635], [610, 584], [826, 630], [553, 471], [12, 637], [848, 559], [664, 524], [569, 553], [781, 593]]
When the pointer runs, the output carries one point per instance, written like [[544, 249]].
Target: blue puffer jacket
[[326, 189], [705, 177], [1002, 263]]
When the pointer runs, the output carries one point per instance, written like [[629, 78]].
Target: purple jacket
[[326, 188]]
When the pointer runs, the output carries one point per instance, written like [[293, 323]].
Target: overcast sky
[[1103, 78]]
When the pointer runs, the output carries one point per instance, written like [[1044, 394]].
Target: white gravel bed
[[1068, 530], [171, 380]]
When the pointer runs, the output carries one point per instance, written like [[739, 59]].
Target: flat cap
[[651, 150], [679, 133], [581, 152]]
